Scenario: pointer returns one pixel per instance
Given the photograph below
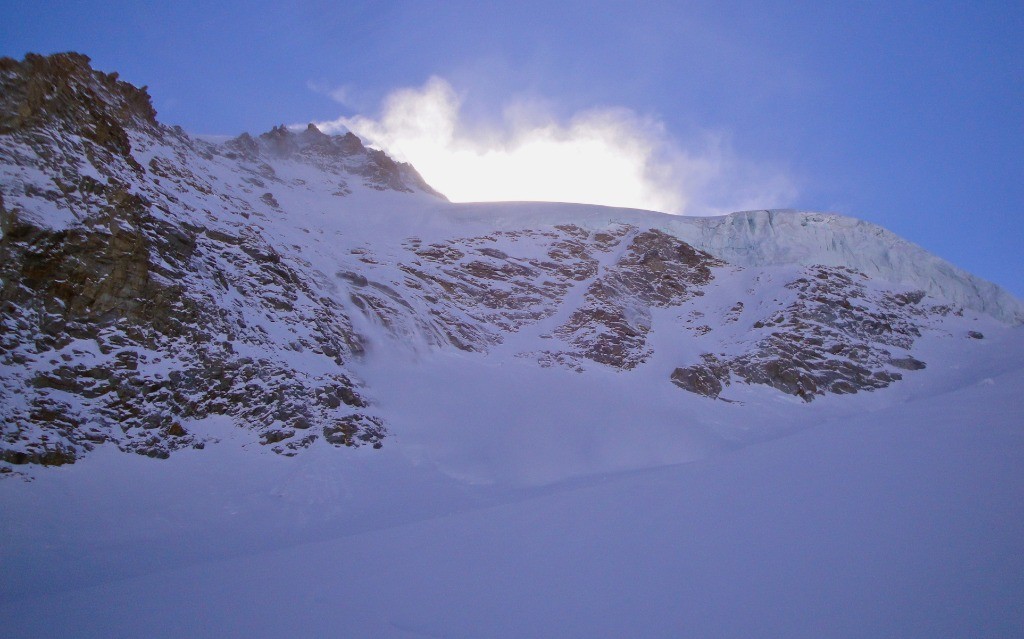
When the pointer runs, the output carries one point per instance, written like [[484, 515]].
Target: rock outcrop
[[656, 270], [123, 318]]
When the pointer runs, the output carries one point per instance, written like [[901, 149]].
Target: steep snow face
[[763, 238]]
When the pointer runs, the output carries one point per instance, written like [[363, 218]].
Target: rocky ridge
[[124, 314]]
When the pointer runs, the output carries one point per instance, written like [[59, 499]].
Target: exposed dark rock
[[274, 436], [270, 200], [907, 363], [63, 89], [355, 430], [831, 339], [656, 270], [499, 289], [58, 455], [697, 379], [117, 309]]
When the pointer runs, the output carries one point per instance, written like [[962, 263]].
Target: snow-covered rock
[[151, 280]]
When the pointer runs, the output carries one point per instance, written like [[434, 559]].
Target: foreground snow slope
[[904, 522]]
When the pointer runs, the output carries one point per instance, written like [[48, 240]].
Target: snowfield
[[905, 520]]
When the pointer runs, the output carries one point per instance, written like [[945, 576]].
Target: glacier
[[761, 238]]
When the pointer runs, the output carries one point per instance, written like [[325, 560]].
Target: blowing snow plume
[[608, 155]]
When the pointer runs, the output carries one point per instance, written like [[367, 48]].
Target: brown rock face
[[63, 88], [475, 293], [117, 324], [656, 270], [834, 338], [132, 295], [697, 379]]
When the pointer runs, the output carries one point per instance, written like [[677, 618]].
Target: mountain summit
[[154, 284]]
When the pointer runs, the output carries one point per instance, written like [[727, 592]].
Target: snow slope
[[902, 522]]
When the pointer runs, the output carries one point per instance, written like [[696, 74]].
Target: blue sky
[[907, 114]]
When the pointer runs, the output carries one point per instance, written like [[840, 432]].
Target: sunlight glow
[[607, 156]]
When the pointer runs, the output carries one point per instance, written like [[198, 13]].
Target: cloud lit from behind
[[609, 156]]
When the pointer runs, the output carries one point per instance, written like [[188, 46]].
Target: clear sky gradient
[[907, 114]]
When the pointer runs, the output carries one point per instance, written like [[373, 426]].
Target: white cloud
[[610, 156]]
